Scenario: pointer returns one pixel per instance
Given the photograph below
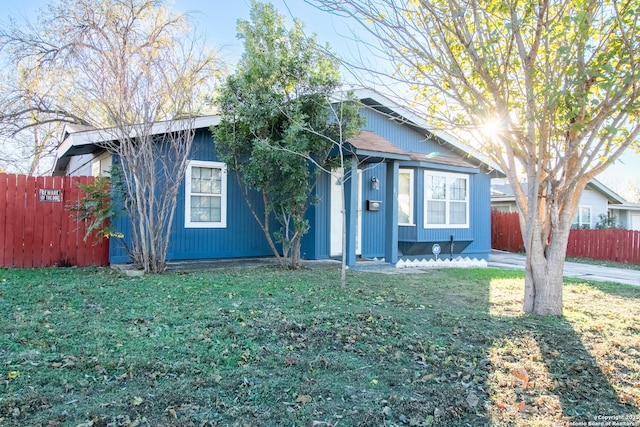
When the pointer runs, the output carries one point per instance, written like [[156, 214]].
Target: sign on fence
[[37, 230], [50, 195]]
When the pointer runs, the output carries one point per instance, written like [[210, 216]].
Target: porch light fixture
[[375, 183]]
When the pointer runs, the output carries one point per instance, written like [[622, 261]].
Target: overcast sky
[[217, 20]]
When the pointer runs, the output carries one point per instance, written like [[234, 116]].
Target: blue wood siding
[[478, 233], [402, 135], [316, 243], [373, 222], [242, 236], [410, 140]]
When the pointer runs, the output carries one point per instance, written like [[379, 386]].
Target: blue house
[[409, 191]]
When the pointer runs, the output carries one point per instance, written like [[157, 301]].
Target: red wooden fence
[[37, 229], [505, 232], [606, 245]]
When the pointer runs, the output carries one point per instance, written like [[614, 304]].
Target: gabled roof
[[612, 196], [381, 103], [85, 141], [504, 192], [80, 140]]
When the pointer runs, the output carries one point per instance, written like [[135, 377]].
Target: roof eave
[[413, 119], [89, 141], [606, 191], [377, 155], [624, 207]]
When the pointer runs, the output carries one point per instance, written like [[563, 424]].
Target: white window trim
[[411, 197], [223, 195], [580, 223], [448, 176]]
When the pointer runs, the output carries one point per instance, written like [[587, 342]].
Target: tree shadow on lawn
[[482, 361], [544, 372], [541, 372], [435, 352], [438, 348]]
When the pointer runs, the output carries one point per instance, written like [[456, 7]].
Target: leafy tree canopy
[[554, 84], [276, 116]]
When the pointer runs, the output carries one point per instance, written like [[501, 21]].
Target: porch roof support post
[[391, 213], [351, 207]]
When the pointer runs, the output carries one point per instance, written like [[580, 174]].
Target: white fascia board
[[606, 191], [92, 137], [625, 207]]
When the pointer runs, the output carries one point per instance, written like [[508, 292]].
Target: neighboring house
[[413, 188], [596, 200]]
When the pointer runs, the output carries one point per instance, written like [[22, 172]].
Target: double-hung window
[[405, 197], [446, 201], [206, 195], [582, 218]]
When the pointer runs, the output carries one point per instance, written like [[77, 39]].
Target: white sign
[[50, 195], [435, 249]]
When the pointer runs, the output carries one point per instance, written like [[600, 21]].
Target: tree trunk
[[544, 271], [295, 251]]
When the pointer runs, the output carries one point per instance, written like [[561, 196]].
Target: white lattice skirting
[[459, 262]]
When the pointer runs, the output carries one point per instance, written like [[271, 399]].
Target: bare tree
[[556, 82], [29, 136], [133, 69], [31, 151]]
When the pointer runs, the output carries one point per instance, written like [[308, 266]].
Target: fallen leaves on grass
[[627, 399], [472, 400], [303, 398], [521, 374], [338, 358], [427, 377]]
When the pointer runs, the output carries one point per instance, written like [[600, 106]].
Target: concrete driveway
[[500, 259]]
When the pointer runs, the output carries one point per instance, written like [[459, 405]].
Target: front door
[[336, 213]]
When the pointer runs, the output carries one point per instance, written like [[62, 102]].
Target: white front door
[[335, 248]]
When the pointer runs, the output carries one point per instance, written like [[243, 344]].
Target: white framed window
[[582, 218], [205, 195], [405, 197], [446, 200]]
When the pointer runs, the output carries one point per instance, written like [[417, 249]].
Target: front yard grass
[[262, 347]]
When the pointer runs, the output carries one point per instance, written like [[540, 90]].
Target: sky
[[217, 20]]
